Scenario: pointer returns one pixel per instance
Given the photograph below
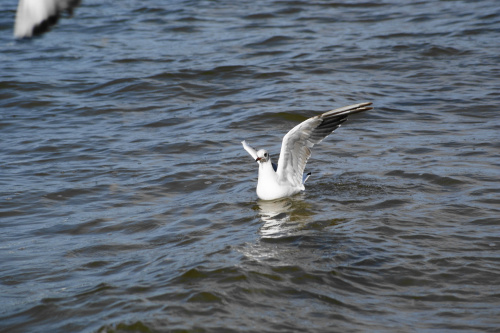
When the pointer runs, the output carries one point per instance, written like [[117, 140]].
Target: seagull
[[34, 17], [288, 178]]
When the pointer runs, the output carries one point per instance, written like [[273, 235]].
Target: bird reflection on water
[[292, 232], [284, 217]]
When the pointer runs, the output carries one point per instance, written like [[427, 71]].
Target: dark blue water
[[127, 203]]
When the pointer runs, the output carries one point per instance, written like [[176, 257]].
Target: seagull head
[[262, 156]]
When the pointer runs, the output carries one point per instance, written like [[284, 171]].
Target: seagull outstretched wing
[[249, 149], [297, 143]]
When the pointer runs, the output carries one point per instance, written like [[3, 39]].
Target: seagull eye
[[265, 154]]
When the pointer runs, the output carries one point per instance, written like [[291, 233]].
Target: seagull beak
[[258, 159]]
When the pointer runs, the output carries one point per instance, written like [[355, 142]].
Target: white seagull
[[287, 178], [34, 17]]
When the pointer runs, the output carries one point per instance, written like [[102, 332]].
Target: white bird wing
[[36, 16], [249, 149], [297, 143]]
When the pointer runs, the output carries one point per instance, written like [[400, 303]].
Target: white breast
[[268, 187]]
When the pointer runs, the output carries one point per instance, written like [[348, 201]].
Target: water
[[127, 203]]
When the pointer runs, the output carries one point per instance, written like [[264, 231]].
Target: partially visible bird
[[34, 17], [287, 178]]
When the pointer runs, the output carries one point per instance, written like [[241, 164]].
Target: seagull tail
[[305, 177], [34, 17]]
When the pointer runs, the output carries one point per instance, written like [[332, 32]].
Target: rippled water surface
[[127, 203]]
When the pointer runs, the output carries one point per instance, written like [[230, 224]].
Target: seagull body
[[34, 17], [287, 178]]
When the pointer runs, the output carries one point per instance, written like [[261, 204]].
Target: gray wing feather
[[297, 143]]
